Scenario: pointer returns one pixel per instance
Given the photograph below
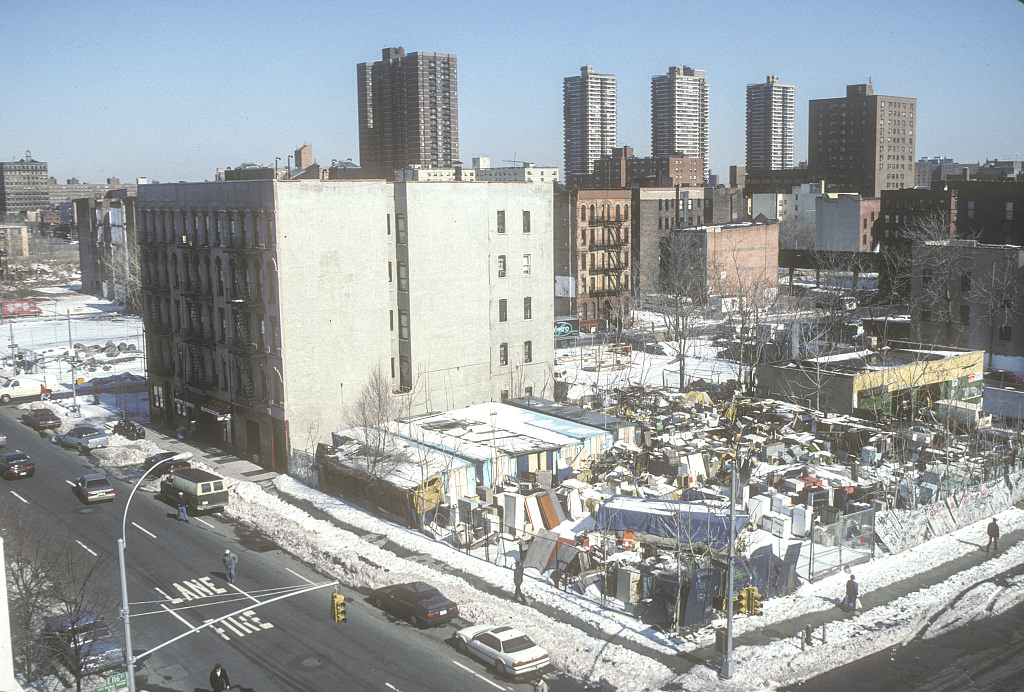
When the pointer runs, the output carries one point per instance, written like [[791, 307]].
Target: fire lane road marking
[[86, 548], [473, 672], [19, 497], [240, 625], [288, 569], [151, 535]]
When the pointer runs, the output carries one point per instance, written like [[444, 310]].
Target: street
[[176, 581]]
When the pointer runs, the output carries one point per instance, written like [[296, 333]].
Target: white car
[[506, 649]]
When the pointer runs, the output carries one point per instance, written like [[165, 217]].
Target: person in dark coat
[[182, 510], [219, 679], [852, 590], [517, 577], [993, 537]]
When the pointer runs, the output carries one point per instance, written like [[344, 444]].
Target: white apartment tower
[[679, 114], [770, 108], [589, 116]]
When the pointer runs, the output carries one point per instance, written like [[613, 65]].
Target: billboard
[[566, 327]]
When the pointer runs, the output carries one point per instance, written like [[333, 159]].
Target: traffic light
[[755, 601], [338, 607], [742, 602]]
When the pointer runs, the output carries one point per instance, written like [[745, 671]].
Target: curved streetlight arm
[[125, 609]]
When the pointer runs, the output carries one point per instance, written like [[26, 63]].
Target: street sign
[[118, 681]]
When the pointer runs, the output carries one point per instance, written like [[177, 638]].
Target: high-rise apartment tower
[[679, 114], [589, 117], [770, 109], [863, 143], [408, 112]]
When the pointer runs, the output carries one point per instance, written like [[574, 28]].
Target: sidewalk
[[227, 465]]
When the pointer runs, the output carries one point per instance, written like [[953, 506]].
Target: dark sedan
[[40, 419], [16, 465], [168, 461], [418, 602]]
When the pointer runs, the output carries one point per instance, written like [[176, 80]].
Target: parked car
[[129, 429], [506, 649], [1004, 378], [83, 642], [94, 487], [40, 419], [418, 602], [3, 440], [16, 465], [83, 438], [168, 461]]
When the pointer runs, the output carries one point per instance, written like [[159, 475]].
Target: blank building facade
[[589, 120], [679, 114], [408, 112], [770, 108]]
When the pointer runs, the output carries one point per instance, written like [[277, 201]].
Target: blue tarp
[[689, 522]]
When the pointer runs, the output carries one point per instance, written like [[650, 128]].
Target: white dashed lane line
[[298, 575], [151, 535], [19, 497], [473, 672], [86, 548]]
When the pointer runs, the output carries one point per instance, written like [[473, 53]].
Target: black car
[[16, 465], [129, 429], [40, 419], [1005, 378], [418, 602]]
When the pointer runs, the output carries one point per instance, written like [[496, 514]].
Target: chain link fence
[[848, 541]]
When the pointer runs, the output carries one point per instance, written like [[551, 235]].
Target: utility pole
[[73, 362], [726, 671]]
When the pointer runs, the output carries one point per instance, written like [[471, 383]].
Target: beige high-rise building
[[770, 108], [589, 121], [862, 143], [679, 114]]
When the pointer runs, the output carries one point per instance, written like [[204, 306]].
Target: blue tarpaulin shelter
[[688, 522]]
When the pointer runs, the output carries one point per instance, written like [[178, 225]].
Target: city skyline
[[166, 92]]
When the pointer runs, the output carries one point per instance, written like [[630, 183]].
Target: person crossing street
[[230, 562]]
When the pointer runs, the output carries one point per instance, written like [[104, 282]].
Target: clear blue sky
[[174, 90]]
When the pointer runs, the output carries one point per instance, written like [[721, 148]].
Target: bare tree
[[126, 271], [29, 562], [795, 234], [369, 417]]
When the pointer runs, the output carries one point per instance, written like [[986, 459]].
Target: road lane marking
[[289, 569], [86, 548], [71, 483], [193, 589], [19, 497], [247, 595], [204, 523], [171, 611], [151, 535], [240, 624], [391, 687], [473, 672]]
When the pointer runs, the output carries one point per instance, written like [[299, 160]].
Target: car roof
[[15, 454], [93, 477], [84, 429]]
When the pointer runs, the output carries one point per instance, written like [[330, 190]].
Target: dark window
[[965, 314], [527, 351], [502, 310], [526, 222], [965, 282], [501, 265], [527, 308], [926, 315], [503, 355], [1004, 333], [501, 221]]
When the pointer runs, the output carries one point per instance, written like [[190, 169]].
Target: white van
[[24, 386]]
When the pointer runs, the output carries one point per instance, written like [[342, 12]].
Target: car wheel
[[5, 399], [375, 602], [461, 646], [82, 449], [500, 669], [419, 622]]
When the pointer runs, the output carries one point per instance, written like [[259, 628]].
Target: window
[[503, 310], [527, 308], [391, 320], [501, 265], [403, 276], [390, 277], [526, 222], [501, 221], [400, 230], [504, 395], [526, 265], [529, 391], [584, 312], [583, 234], [926, 315], [965, 282], [403, 324], [527, 351], [970, 209], [583, 261], [965, 314], [583, 212], [503, 355], [1009, 211], [1004, 333]]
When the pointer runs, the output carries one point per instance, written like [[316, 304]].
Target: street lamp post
[[125, 608], [726, 671]]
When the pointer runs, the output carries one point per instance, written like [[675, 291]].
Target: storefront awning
[[216, 408]]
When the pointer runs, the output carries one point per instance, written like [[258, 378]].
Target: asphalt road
[[176, 581]]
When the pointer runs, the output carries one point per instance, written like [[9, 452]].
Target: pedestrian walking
[[43, 395], [517, 577], [540, 685], [993, 537], [219, 679], [852, 591], [230, 561], [182, 510]]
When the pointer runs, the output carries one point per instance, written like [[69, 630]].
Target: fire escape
[[245, 309], [608, 265]]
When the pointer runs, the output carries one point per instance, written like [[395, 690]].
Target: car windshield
[[97, 483], [517, 644]]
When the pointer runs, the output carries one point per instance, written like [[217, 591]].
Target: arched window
[[584, 311], [583, 212], [593, 212], [625, 211], [618, 212]]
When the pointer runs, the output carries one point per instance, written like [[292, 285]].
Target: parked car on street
[[94, 487], [83, 438], [418, 602], [40, 419], [1005, 378], [16, 465], [83, 642], [168, 461], [506, 649], [129, 429]]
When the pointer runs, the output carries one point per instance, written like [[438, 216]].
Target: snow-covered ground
[[617, 656]]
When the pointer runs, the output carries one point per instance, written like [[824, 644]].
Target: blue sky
[[174, 90]]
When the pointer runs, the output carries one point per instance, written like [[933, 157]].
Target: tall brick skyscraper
[[408, 112], [862, 143]]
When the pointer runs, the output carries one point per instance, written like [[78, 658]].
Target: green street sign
[[118, 681]]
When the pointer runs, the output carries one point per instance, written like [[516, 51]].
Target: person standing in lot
[[182, 510], [993, 537], [219, 679], [852, 591], [230, 561], [517, 578]]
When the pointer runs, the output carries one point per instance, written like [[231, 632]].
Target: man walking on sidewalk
[[852, 590], [993, 537], [230, 561], [517, 578]]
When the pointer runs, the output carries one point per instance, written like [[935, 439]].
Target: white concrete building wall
[[454, 291], [333, 251]]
